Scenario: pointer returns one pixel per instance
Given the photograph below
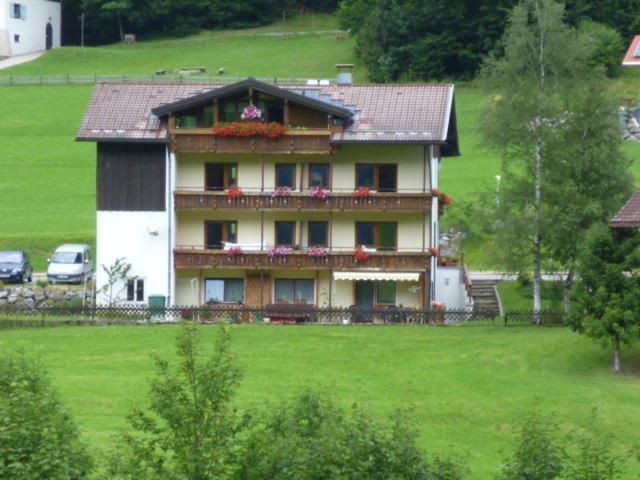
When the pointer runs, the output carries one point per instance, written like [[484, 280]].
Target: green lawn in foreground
[[256, 52], [466, 385]]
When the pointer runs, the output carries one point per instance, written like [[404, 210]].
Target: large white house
[[331, 200], [28, 26]]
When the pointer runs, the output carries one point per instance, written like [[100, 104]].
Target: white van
[[71, 263]]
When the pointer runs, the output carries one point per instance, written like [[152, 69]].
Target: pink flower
[[281, 192], [319, 193], [251, 113], [278, 251], [318, 252]]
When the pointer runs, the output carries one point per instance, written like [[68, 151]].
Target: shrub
[[311, 437], [38, 438], [537, 455], [42, 283]]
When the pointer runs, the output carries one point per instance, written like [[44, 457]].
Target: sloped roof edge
[[258, 85]]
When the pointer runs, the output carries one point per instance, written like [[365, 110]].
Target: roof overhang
[[250, 82], [380, 275]]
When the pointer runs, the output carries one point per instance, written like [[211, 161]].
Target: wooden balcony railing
[[201, 140], [395, 202], [193, 257]]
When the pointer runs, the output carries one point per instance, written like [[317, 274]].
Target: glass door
[[365, 292]]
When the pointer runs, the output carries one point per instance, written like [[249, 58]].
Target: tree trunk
[[568, 283], [616, 354], [120, 27], [537, 239]]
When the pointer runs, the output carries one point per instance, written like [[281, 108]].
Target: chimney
[[345, 73]]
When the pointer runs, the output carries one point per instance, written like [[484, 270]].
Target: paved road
[[18, 59]]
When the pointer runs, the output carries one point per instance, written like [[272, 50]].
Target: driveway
[[18, 59]]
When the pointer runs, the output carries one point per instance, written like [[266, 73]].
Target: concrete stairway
[[485, 295]]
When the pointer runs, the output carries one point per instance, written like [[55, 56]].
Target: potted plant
[[318, 252], [251, 113], [361, 255], [234, 251], [435, 251], [281, 192], [234, 193], [446, 199], [435, 192], [362, 192], [278, 251], [319, 193]]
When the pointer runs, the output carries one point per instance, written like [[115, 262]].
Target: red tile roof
[[632, 58], [398, 113], [629, 215]]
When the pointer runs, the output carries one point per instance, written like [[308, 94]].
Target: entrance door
[[365, 293], [49, 37]]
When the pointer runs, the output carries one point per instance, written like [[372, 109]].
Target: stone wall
[[29, 297]]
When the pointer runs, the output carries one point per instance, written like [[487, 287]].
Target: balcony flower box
[[446, 199], [234, 193], [319, 193], [249, 129], [361, 255], [281, 192], [318, 252], [234, 251], [362, 192], [278, 251]]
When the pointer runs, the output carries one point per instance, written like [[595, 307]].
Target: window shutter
[[23, 12], [11, 9]]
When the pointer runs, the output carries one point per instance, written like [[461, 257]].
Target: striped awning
[[395, 276]]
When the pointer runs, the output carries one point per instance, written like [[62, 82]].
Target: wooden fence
[[12, 316]]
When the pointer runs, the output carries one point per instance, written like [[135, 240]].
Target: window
[[224, 290], [381, 177], [17, 10], [285, 233], [319, 175], [219, 232], [16, 38], [371, 293], [135, 290], [219, 176], [286, 175], [380, 235], [318, 234], [293, 290], [385, 292], [196, 117]]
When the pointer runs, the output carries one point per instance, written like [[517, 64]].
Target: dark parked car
[[15, 266]]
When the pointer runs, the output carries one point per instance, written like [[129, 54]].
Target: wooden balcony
[[337, 202], [201, 140], [192, 257]]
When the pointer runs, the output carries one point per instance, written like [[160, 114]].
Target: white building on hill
[[29, 26]]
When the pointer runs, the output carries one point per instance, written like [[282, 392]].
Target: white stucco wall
[[412, 174], [32, 30], [450, 288], [126, 234]]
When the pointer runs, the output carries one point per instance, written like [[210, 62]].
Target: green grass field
[[467, 386], [47, 189]]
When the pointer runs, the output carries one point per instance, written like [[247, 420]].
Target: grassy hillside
[[48, 187], [467, 386], [288, 49]]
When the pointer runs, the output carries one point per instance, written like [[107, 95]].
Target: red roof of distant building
[[632, 58], [629, 215]]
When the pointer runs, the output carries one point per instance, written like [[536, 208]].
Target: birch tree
[[555, 128]]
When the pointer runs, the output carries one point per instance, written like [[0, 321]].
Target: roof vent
[[345, 73], [312, 82]]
